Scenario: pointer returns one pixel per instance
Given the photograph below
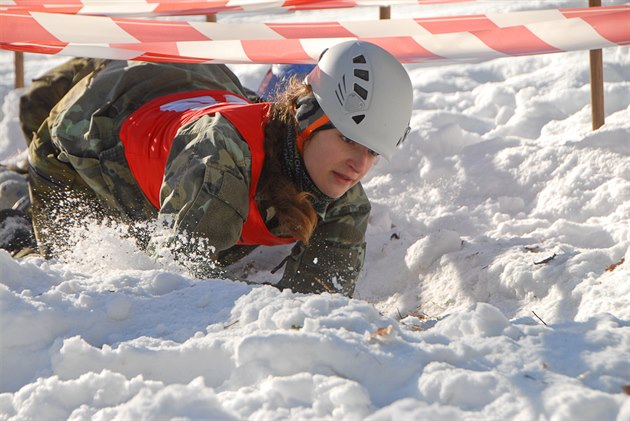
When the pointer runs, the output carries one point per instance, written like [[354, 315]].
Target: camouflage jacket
[[207, 175]]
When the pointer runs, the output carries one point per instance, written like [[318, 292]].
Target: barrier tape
[[410, 40], [191, 7]]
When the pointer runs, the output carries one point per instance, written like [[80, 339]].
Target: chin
[[336, 194], [334, 190]]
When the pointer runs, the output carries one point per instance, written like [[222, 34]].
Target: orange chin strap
[[306, 133]]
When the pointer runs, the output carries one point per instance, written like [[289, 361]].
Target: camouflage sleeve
[[206, 183], [334, 257]]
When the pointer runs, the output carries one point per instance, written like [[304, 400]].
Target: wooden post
[[19, 69], [211, 18], [597, 81], [385, 12]]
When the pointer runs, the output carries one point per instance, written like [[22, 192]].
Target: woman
[[181, 144]]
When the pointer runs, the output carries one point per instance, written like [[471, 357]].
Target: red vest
[[148, 133]]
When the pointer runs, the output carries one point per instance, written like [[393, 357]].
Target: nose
[[361, 159]]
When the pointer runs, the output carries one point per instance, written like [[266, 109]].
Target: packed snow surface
[[496, 283]]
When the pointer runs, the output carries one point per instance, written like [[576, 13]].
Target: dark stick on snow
[[545, 260], [538, 317]]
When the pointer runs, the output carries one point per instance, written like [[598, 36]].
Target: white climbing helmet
[[366, 93]]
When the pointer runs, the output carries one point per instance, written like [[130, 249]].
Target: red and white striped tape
[[189, 7], [411, 40]]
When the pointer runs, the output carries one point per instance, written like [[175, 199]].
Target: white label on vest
[[235, 99], [199, 103]]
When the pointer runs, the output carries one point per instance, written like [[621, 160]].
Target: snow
[[496, 283]]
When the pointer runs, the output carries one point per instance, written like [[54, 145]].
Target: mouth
[[343, 179]]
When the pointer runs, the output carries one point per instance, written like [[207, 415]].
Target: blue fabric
[[277, 75]]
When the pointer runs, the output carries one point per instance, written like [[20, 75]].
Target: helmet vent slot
[[362, 74], [359, 59], [341, 91], [340, 99], [361, 91], [358, 118]]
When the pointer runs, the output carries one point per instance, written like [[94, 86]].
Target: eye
[[348, 141], [352, 142]]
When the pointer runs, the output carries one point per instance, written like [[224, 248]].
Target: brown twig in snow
[[614, 265]]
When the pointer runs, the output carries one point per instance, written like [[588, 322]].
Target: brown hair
[[294, 209]]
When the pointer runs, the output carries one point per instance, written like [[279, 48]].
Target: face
[[336, 163]]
